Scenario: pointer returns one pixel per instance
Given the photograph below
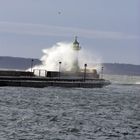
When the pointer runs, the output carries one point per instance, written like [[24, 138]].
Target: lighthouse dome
[[76, 44]]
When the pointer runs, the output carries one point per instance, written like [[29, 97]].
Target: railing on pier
[[40, 72]]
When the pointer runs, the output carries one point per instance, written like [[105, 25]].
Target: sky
[[110, 28]]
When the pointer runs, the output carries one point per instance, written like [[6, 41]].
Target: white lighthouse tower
[[76, 48]]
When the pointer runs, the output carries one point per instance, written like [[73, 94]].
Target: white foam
[[63, 52]]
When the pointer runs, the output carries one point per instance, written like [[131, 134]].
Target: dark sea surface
[[109, 113]]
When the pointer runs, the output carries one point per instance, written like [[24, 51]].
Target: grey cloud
[[48, 30]]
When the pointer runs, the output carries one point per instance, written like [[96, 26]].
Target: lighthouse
[[76, 48]]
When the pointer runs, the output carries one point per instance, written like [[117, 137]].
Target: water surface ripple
[[111, 113]]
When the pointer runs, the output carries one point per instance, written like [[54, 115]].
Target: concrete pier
[[28, 79], [39, 82]]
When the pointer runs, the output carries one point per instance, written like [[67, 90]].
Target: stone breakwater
[[45, 82]]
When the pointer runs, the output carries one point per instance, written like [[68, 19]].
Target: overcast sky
[[109, 27]]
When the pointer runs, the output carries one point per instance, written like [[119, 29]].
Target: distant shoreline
[[14, 63]]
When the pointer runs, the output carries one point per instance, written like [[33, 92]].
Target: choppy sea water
[[109, 113]]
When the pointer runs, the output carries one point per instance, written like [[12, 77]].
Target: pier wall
[[15, 73]]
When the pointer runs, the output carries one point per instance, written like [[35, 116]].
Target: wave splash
[[63, 52]]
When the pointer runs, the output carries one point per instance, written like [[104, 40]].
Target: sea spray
[[61, 52], [137, 83], [92, 59], [64, 53]]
